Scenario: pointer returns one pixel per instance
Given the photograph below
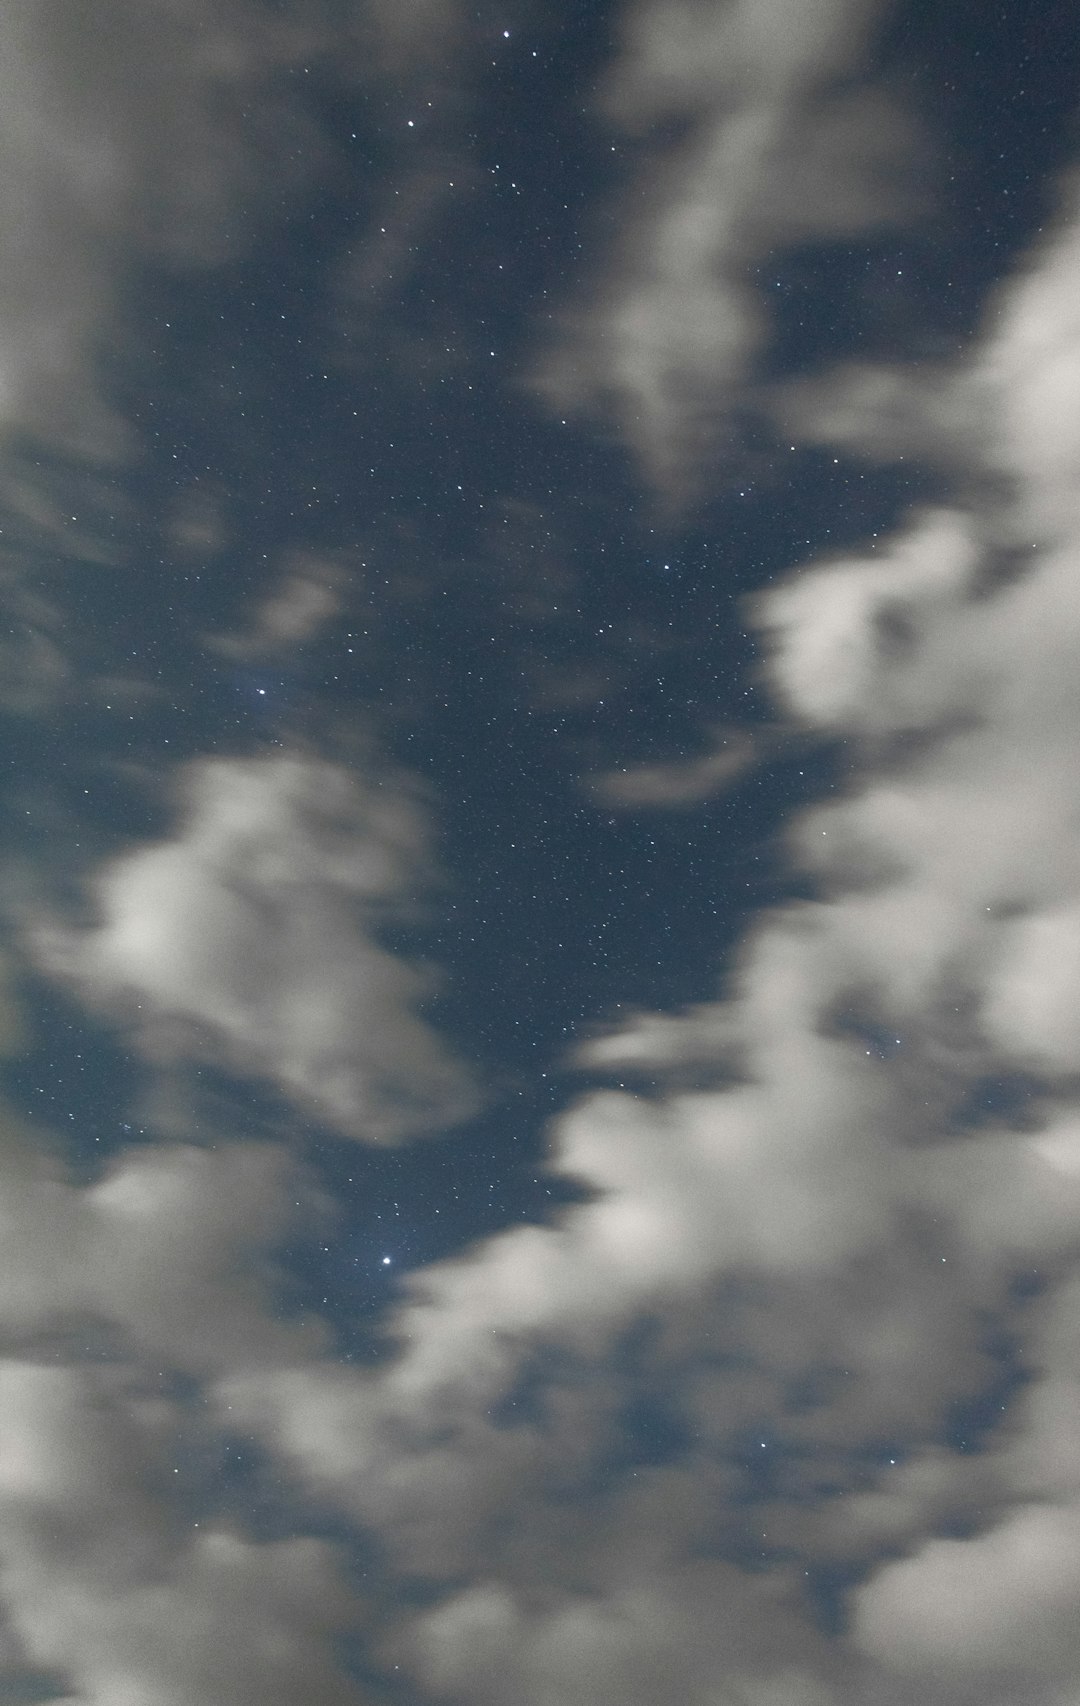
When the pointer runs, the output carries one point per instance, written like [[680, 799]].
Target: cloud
[[123, 136], [251, 938], [1008, 413], [798, 1382], [154, 1253], [784, 1412], [884, 413], [160, 132], [118, 1298], [682, 782], [307, 595], [989, 1614], [644, 1643], [1032, 368], [778, 147], [107, 1587]]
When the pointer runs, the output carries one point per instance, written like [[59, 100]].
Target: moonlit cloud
[[119, 1296], [250, 938], [123, 136], [104, 1587], [770, 1395], [775, 149], [168, 134]]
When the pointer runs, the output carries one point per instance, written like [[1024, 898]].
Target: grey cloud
[[251, 937], [123, 135], [155, 1252], [154, 131], [663, 1043], [777, 152], [111, 1581], [994, 1617], [884, 414], [707, 1633], [1031, 371], [830, 1255], [1009, 412]]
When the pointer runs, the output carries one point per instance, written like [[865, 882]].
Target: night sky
[[540, 689]]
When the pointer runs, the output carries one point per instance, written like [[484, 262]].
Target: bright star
[[386, 1261]]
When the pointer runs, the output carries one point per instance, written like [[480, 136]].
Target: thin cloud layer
[[119, 1298], [123, 137], [682, 782], [304, 600], [110, 1590], [162, 133], [251, 938]]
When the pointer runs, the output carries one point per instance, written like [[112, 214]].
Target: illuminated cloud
[[782, 1331], [153, 1254], [991, 1614], [776, 147], [108, 1587], [251, 938], [118, 1297], [748, 1422]]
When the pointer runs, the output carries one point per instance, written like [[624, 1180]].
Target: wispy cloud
[[682, 782], [162, 134], [776, 147]]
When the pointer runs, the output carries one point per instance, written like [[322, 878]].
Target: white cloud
[[108, 1585], [990, 1615], [825, 1260], [1033, 1007], [709, 1633], [779, 148], [613, 1456], [857, 645], [1010, 410], [1031, 371], [251, 937], [155, 1252], [111, 1575]]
